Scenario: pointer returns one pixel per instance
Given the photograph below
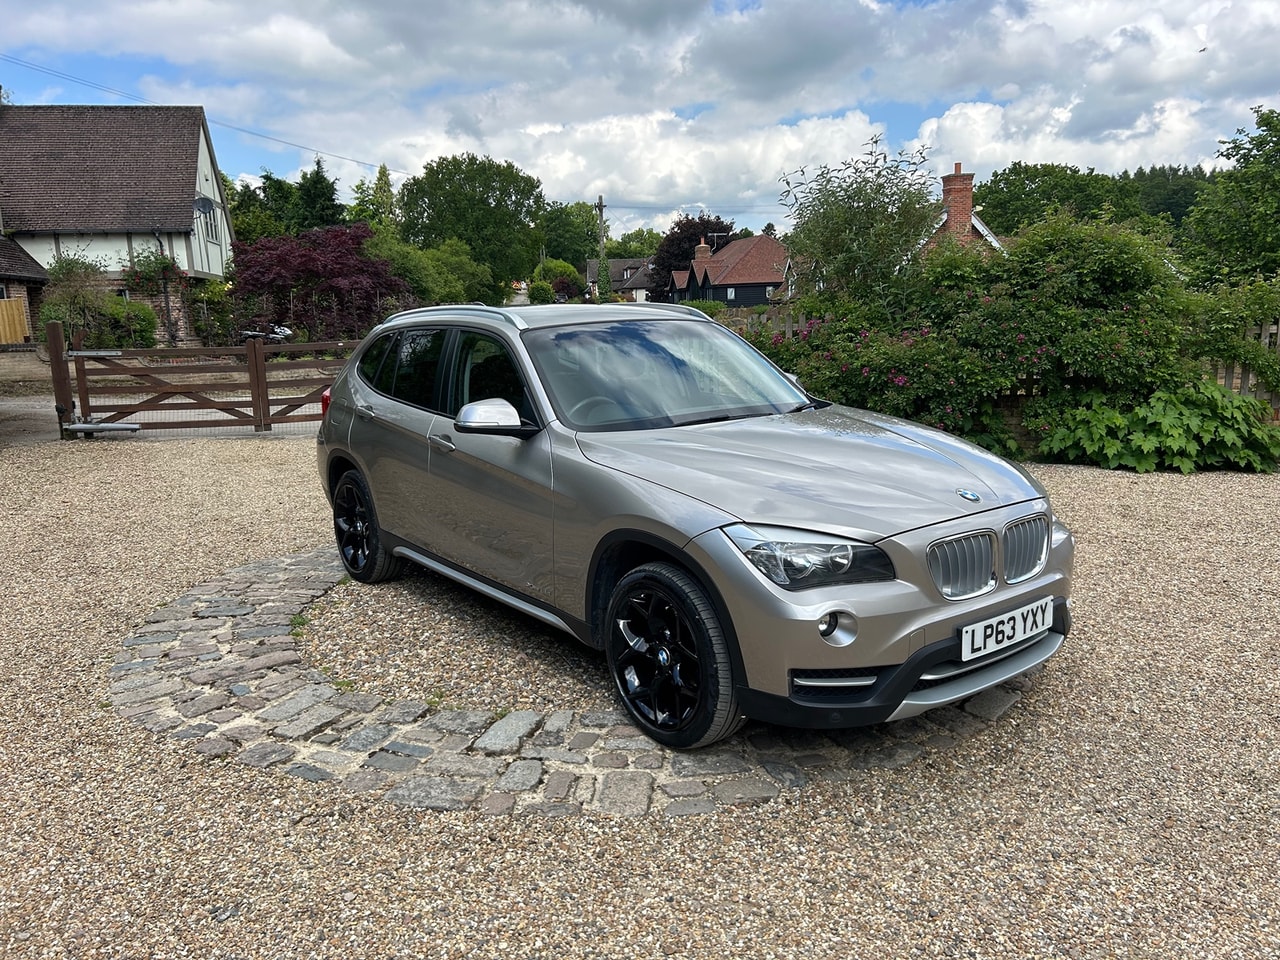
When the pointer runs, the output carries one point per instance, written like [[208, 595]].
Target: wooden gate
[[253, 386]]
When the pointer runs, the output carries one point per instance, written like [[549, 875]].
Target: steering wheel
[[583, 410]]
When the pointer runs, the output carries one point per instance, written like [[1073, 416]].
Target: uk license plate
[[998, 633]]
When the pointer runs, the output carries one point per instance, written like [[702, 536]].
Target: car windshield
[[645, 374]]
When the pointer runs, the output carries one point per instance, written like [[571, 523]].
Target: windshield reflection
[[644, 374]]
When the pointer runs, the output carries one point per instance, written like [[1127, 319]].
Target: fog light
[[827, 624]]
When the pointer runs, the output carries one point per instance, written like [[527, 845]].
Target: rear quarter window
[[372, 366]]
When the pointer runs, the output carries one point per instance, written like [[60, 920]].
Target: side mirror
[[496, 416]]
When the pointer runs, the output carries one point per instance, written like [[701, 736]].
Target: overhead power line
[[214, 122]]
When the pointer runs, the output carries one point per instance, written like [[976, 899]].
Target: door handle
[[364, 411], [441, 442]]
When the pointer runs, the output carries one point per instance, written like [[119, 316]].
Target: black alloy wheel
[[669, 658], [355, 527]]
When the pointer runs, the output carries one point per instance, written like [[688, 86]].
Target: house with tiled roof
[[628, 278], [105, 183], [745, 273]]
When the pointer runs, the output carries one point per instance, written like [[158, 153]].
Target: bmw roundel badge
[[969, 495]]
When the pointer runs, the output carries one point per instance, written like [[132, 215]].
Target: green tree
[[429, 280], [444, 274], [478, 284], [1168, 190], [1232, 232], [316, 201], [859, 226], [493, 207], [278, 207], [570, 232], [633, 245], [374, 203], [251, 220], [1026, 193]]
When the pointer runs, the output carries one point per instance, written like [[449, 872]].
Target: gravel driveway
[[1127, 806]]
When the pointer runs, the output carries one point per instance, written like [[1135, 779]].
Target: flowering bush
[[1076, 317], [149, 271]]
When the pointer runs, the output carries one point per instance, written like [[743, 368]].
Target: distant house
[[958, 218], [744, 273], [105, 183], [628, 278]]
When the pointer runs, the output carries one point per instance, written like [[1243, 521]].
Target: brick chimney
[[957, 198], [703, 250]]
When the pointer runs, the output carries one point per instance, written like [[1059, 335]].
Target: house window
[[4, 292], [211, 225], [728, 294], [768, 293]]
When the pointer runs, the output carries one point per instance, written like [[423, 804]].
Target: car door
[[491, 495], [396, 395]]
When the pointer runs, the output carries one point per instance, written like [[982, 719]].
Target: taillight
[[324, 401]]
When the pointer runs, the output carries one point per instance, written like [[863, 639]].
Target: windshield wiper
[[712, 418], [807, 405]]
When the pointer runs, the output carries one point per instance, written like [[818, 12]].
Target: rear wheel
[[355, 527], [669, 658]]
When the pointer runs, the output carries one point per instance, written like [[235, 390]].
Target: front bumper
[[897, 650], [933, 677]]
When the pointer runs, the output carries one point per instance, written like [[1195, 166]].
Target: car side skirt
[[490, 589]]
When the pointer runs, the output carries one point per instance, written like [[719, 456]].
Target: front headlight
[[799, 559]]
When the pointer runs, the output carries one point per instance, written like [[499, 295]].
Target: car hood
[[834, 469]]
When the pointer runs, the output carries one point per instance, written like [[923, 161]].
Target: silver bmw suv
[[639, 476]]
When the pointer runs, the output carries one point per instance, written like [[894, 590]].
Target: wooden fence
[[1242, 380], [255, 386], [13, 321]]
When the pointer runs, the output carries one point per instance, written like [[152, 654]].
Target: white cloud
[[668, 105]]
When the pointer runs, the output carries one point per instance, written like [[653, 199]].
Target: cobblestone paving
[[220, 667]]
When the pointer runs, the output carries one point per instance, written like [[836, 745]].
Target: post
[[63, 401], [259, 394]]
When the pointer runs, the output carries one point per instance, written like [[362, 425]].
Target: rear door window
[[418, 367]]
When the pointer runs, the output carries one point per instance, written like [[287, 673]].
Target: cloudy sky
[[664, 106]]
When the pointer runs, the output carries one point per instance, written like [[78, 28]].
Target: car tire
[[355, 527], [669, 658]]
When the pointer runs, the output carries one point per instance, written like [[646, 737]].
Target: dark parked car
[[641, 477]]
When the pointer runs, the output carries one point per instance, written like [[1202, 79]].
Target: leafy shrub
[[540, 292], [79, 297], [128, 323], [562, 276], [712, 308], [1194, 427], [212, 314]]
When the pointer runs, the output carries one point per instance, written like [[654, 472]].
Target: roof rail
[[672, 308], [464, 308]]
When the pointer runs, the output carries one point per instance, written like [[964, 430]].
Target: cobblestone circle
[[221, 667]]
